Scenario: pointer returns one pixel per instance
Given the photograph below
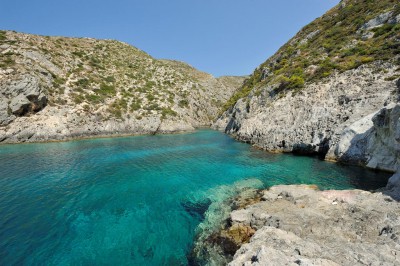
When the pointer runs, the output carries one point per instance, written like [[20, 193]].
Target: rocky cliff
[[330, 91], [56, 88]]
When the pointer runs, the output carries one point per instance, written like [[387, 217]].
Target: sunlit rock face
[[300, 224]]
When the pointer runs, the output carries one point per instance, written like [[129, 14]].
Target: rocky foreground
[[300, 225]]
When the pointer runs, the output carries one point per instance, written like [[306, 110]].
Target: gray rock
[[353, 142], [26, 85], [309, 36], [378, 21], [393, 186], [333, 227], [240, 216], [20, 105], [42, 60], [26, 96], [4, 115], [394, 20]]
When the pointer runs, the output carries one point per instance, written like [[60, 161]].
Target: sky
[[221, 37]]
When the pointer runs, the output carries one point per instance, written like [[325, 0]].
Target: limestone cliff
[[330, 91], [56, 88]]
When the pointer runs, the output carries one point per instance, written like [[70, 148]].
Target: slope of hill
[[331, 90], [55, 88]]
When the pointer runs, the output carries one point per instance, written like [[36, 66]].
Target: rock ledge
[[300, 225]]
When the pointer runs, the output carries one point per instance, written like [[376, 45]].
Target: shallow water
[[135, 200]]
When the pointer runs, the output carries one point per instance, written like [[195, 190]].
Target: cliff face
[[331, 90], [55, 88], [332, 118]]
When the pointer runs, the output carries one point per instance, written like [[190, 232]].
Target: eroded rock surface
[[350, 117], [300, 225], [20, 97]]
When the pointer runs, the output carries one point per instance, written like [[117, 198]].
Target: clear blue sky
[[221, 37]]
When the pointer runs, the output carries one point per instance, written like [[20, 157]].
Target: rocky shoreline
[[301, 225], [102, 135], [57, 130]]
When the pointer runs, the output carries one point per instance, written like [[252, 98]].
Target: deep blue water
[[135, 200]]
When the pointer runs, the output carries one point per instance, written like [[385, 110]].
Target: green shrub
[[150, 97], [106, 90], [153, 106], [77, 98], [110, 79], [183, 103], [150, 84], [382, 30], [366, 59], [391, 78], [93, 98], [168, 112], [295, 82], [57, 82], [6, 61], [79, 53], [96, 63], [3, 36], [136, 105], [83, 82]]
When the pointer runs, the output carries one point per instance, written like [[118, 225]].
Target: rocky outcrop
[[300, 225], [381, 19], [373, 140], [20, 97]]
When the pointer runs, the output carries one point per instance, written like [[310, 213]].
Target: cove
[[136, 200]]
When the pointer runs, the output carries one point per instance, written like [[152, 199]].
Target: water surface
[[135, 200]]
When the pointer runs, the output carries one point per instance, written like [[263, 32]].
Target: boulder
[[20, 105], [26, 96]]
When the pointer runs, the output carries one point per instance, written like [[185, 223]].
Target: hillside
[[330, 91], [354, 33], [58, 88]]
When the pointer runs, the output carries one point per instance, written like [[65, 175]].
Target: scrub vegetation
[[336, 42]]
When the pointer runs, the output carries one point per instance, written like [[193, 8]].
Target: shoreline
[[101, 136], [123, 135]]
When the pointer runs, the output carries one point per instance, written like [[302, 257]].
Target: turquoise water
[[135, 200]]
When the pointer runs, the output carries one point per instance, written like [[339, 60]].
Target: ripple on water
[[136, 200]]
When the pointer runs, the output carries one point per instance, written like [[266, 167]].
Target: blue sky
[[220, 37]]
